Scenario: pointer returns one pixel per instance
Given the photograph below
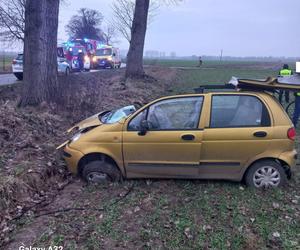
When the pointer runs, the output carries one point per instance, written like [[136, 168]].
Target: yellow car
[[237, 136]]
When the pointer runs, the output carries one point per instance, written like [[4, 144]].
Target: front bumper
[[103, 63], [72, 157]]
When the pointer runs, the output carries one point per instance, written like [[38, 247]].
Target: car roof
[[254, 93]]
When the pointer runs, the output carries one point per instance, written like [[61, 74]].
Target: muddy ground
[[42, 205]]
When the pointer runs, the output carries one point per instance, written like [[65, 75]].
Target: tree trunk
[[134, 67], [40, 52]]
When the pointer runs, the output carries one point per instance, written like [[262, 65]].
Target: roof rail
[[202, 88]]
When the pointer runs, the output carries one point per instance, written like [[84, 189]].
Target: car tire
[[100, 172], [19, 76], [67, 71], [266, 173]]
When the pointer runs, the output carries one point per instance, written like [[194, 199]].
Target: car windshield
[[75, 50], [103, 52], [116, 115]]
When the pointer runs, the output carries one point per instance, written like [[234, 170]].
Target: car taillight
[[14, 62], [291, 133]]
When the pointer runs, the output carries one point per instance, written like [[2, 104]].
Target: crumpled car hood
[[89, 122]]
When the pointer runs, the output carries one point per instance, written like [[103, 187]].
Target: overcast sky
[[204, 27]]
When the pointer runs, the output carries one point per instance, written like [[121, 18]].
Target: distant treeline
[[230, 58]]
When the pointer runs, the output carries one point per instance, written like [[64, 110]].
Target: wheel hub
[[97, 177], [266, 176]]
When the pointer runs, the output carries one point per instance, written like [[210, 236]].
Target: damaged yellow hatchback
[[236, 135]]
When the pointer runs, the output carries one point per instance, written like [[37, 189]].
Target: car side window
[[175, 114], [135, 123], [238, 111]]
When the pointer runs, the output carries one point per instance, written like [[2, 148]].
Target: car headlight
[[75, 137], [94, 59], [109, 58]]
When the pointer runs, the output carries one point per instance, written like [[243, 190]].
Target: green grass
[[5, 63], [190, 63], [180, 215]]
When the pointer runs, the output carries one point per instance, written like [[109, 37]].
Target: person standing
[[69, 57], [81, 60], [285, 71], [297, 109], [200, 61]]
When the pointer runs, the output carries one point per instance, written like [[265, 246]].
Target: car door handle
[[188, 137], [260, 134]]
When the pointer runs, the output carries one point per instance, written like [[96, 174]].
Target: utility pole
[[3, 60], [221, 56]]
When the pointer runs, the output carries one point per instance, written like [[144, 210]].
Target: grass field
[[215, 72], [178, 215], [5, 63]]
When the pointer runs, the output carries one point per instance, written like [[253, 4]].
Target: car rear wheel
[[19, 76], [265, 174], [100, 172]]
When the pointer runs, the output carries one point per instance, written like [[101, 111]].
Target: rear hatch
[[291, 83]]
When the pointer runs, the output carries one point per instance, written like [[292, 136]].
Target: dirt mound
[[29, 164]]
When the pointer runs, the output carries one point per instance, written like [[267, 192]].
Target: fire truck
[[90, 45], [87, 46]]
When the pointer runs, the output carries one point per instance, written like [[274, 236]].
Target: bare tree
[[12, 20], [134, 68], [123, 12], [109, 34], [40, 52], [86, 25]]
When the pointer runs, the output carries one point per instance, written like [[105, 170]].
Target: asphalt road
[[7, 79]]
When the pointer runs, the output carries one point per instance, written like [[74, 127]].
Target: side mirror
[[144, 128], [114, 54]]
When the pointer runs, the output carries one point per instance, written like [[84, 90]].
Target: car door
[[239, 129], [171, 146]]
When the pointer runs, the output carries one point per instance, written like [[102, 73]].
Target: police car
[[63, 68]]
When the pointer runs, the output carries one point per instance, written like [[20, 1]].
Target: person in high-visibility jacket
[[286, 71], [297, 109]]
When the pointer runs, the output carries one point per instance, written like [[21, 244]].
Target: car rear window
[[238, 111]]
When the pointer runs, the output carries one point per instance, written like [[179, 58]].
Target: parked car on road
[[236, 135], [17, 67], [63, 68], [107, 56]]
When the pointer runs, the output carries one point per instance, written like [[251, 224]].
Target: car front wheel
[[264, 174], [100, 172]]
